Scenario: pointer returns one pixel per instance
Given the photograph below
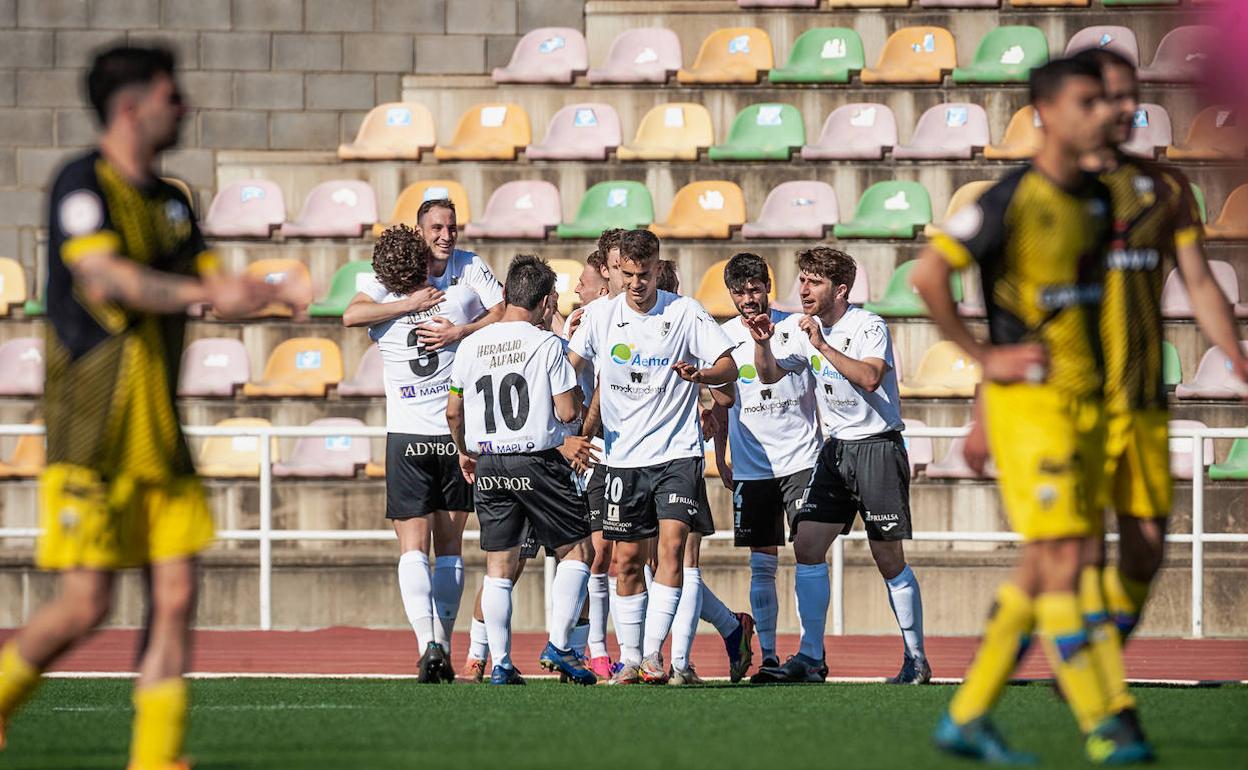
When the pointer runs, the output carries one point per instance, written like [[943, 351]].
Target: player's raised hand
[[1028, 362], [438, 333], [687, 371], [812, 328], [468, 467], [573, 323], [580, 453], [424, 298], [760, 326]]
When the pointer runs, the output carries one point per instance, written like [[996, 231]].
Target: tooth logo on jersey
[[747, 374], [621, 353]]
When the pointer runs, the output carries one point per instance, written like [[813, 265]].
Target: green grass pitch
[[318, 723]]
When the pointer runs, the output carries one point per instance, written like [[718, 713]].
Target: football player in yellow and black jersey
[[125, 261]]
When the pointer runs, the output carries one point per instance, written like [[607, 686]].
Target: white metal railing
[[265, 535]]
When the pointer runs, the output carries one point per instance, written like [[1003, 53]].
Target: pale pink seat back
[[546, 55], [859, 131], [951, 131], [22, 364], [644, 55], [215, 367], [587, 131], [798, 209], [247, 209], [320, 456], [1214, 378], [521, 209], [1120, 40], [1181, 450], [368, 379], [340, 208]]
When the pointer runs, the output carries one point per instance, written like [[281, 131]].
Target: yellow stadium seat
[[183, 188], [964, 195], [12, 284], [375, 470], [234, 456], [1022, 139], [914, 55], [299, 367], [713, 293], [279, 271], [488, 132], [730, 55], [703, 210], [671, 132], [416, 193], [28, 459], [1214, 135], [944, 372], [567, 273], [1232, 222], [392, 131]]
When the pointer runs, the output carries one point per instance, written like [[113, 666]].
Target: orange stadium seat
[[731, 55], [247, 209], [675, 131], [964, 195], [416, 193], [214, 366], [703, 210], [587, 131], [28, 460], [567, 273], [525, 208], [368, 380], [1213, 378], [326, 456], [303, 367], [642, 55], [1120, 40], [1215, 134], [945, 372], [340, 208], [392, 131], [713, 293], [375, 470], [859, 131], [1022, 139], [1232, 221], [914, 55], [13, 290], [279, 271], [234, 456], [488, 132]]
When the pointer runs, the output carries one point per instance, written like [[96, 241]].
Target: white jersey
[[416, 379], [649, 414], [773, 430], [509, 374], [464, 267], [849, 412]]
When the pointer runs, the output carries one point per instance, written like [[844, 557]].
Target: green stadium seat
[[1200, 202], [891, 209], [1005, 55], [1171, 366], [1236, 465], [762, 132], [33, 307], [900, 300], [618, 203], [822, 55], [346, 284]]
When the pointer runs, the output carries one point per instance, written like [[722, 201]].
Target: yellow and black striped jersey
[[1040, 250], [112, 372], [1154, 213]]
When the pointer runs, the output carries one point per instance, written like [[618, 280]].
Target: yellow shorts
[[89, 524], [1050, 450], [1137, 463]]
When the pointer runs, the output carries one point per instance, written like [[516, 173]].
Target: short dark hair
[[401, 260], [639, 246], [827, 262], [669, 279], [1047, 80], [434, 203], [1103, 58], [610, 239], [121, 67], [746, 267], [529, 281], [597, 260]]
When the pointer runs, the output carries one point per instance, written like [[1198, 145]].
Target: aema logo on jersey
[[820, 368], [747, 374], [622, 353]]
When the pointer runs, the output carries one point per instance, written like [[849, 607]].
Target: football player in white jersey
[[646, 344], [513, 394], [862, 470]]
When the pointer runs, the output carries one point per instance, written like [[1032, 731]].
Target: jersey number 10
[[513, 398]]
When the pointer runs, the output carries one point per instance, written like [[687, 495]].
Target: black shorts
[[760, 508], [596, 493], [536, 492], [868, 477], [423, 476], [637, 498], [529, 547]]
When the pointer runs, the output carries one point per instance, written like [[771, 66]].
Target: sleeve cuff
[[1188, 236], [207, 263], [956, 254], [104, 241]]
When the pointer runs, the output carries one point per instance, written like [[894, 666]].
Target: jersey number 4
[[513, 398]]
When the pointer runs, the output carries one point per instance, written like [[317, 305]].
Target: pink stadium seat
[[645, 55], [520, 209], [248, 209], [1175, 302], [368, 380], [1214, 378], [341, 208], [1120, 40], [778, 3], [859, 293], [322, 456], [21, 361], [214, 366], [959, 3], [972, 304], [947, 132], [587, 131], [1181, 450], [795, 210], [1181, 57], [546, 55], [953, 465], [860, 131], [1151, 132], [918, 448]]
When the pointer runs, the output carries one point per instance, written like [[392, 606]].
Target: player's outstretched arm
[[1213, 313], [363, 310], [438, 333], [761, 331], [866, 374], [721, 446], [724, 396], [593, 415], [722, 372]]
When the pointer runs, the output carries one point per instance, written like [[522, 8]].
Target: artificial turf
[[290, 723]]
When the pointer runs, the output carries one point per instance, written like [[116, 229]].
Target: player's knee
[[890, 558], [1059, 564], [808, 551], [86, 611]]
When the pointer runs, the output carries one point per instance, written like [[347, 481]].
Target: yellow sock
[[159, 725], [1124, 598], [1067, 645], [18, 681], [1005, 639], [1106, 644]]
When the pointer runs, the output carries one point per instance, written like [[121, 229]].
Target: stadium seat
[[34, 307], [28, 460], [949, 131], [918, 448], [214, 367], [375, 470], [671, 132], [1213, 379], [892, 209], [859, 293], [300, 367], [1199, 195], [1005, 55], [546, 55], [21, 361], [644, 55], [778, 3], [247, 209], [520, 209], [12, 285], [392, 131], [346, 283], [944, 372], [488, 132], [703, 210], [1181, 450], [1120, 40], [278, 271], [959, 3], [822, 55], [1171, 366], [588, 131], [730, 55], [762, 132], [858, 131], [234, 456], [1050, 3], [1175, 302], [1213, 135], [713, 294], [954, 466], [326, 456], [1232, 221], [341, 208], [567, 273], [1022, 139], [1181, 57], [914, 55], [900, 299], [368, 380], [617, 203], [963, 196], [1112, 3], [416, 193], [795, 210], [1235, 467], [1151, 132], [868, 3]]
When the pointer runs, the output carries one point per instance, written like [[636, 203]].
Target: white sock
[[496, 607], [578, 637], [415, 588], [813, 593], [763, 600], [649, 575], [480, 649], [599, 606], [716, 612], [448, 589], [628, 612], [685, 625], [660, 612], [907, 604], [567, 592]]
